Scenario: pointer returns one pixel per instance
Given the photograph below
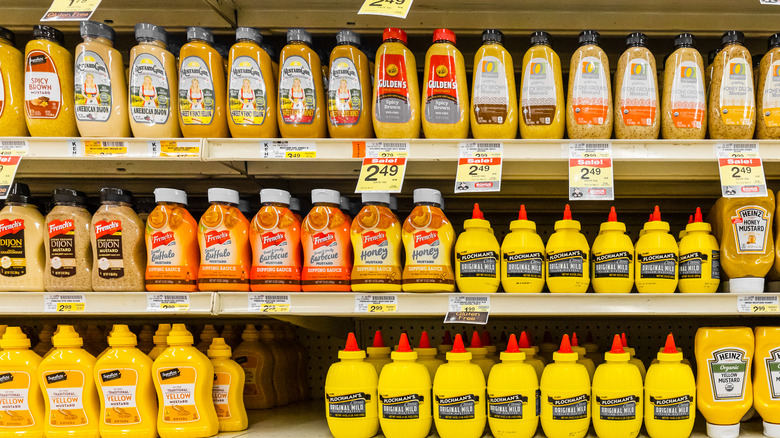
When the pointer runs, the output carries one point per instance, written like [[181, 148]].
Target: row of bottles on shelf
[[410, 391], [247, 94], [70, 250]]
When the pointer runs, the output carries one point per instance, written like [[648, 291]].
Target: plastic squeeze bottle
[[588, 362], [282, 366], [589, 100], [257, 361], [351, 394], [376, 243], [542, 106], [160, 340], [426, 355], [656, 257], [479, 355], [513, 395], [567, 257], [565, 397], [445, 96], [487, 342], [670, 395], [428, 239], [396, 100], [636, 91], [123, 376], [405, 395], [445, 346], [613, 258], [22, 250], [22, 399], [617, 395], [327, 250], [302, 109], [378, 353], [699, 258], [522, 257], [275, 237], [766, 379], [183, 377], [476, 256], [206, 336], [223, 234], [228, 389], [747, 250], [732, 106], [639, 364], [530, 355], [348, 89], [494, 95], [146, 339], [459, 409], [68, 384], [12, 78]]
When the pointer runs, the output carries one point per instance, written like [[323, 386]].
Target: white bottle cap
[[427, 195], [722, 431], [384, 198], [170, 195], [393, 203], [274, 195], [325, 195], [223, 195], [344, 204], [771, 430], [746, 285], [295, 205]]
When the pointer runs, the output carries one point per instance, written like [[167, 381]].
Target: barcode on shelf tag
[[741, 170], [747, 149], [758, 304], [269, 303], [174, 148], [590, 172], [14, 147], [479, 167], [386, 149], [285, 149], [156, 302], [376, 303], [95, 148], [468, 309], [58, 303]]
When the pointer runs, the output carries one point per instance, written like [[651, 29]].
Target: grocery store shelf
[[102, 303]]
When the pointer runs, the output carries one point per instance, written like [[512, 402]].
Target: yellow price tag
[[765, 308], [175, 306], [472, 308], [104, 148], [388, 8], [275, 308], [381, 175], [478, 174], [742, 177], [8, 166], [71, 307], [300, 154], [175, 149], [382, 308], [70, 10], [591, 178]]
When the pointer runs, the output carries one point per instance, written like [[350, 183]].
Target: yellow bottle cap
[[121, 336], [66, 336], [161, 335], [218, 348], [250, 333], [179, 335], [208, 332], [14, 337]]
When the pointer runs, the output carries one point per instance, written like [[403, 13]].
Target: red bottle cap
[[650, 219], [624, 340], [523, 216], [352, 344], [574, 341], [477, 213], [424, 341], [565, 345], [524, 340], [378, 342], [485, 338], [475, 341], [403, 344], [457, 346], [394, 33], [447, 339], [567, 213], [670, 348], [612, 215], [697, 217], [690, 219], [511, 346], [444, 34], [656, 214], [617, 345]]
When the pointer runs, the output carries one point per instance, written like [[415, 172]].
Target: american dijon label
[[570, 408], [462, 407], [671, 408], [483, 264], [14, 400], [62, 247], [737, 100], [566, 263], [617, 409], [92, 88], [177, 386], [65, 391], [442, 102], [150, 94], [392, 90], [524, 265], [119, 391], [108, 243], [12, 252], [660, 266], [612, 265], [728, 373], [404, 407], [508, 407], [352, 405], [751, 226]]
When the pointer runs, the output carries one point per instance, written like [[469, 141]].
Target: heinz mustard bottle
[[617, 395], [12, 122], [766, 379], [522, 257], [376, 244], [302, 108], [351, 394], [459, 389], [21, 398], [565, 395], [542, 107], [445, 93], [513, 395], [228, 390], [670, 395], [348, 115], [567, 257], [655, 258], [477, 252], [428, 240], [747, 250], [396, 97], [493, 109], [699, 258], [613, 258]]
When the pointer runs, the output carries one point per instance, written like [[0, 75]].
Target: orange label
[[249, 364], [14, 400], [42, 93], [119, 389], [327, 251], [224, 246], [590, 99], [638, 103], [177, 386], [275, 239], [220, 393], [65, 390], [171, 247]]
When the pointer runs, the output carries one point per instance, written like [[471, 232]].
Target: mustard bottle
[[348, 115], [146, 339], [582, 359], [444, 346], [376, 244], [428, 239], [68, 384], [231, 336], [123, 376], [541, 96], [565, 395], [183, 378], [476, 256], [282, 369], [378, 354], [20, 396], [530, 355], [228, 389], [396, 97], [655, 258], [459, 388], [613, 254], [160, 340], [766, 379], [351, 394], [44, 340], [12, 122], [617, 395], [637, 362], [22, 251], [206, 336], [257, 361], [567, 257], [426, 355], [589, 100], [522, 257], [404, 391], [699, 258], [302, 110], [479, 355], [494, 95], [513, 395], [768, 91], [732, 104], [445, 93], [747, 250], [670, 395]]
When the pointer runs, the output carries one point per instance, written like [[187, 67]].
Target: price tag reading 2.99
[[590, 172], [381, 175]]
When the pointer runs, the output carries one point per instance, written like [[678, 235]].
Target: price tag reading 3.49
[[741, 170], [479, 167], [590, 172]]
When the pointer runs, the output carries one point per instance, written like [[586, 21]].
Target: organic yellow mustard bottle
[[12, 122], [459, 389], [351, 394], [699, 258], [513, 395], [184, 378], [21, 399], [565, 395], [655, 258], [476, 256], [582, 359], [766, 379], [426, 355], [493, 93], [257, 361], [479, 355], [670, 395], [522, 257], [228, 389], [378, 354], [613, 258], [542, 106], [567, 257], [617, 395], [160, 340], [445, 93], [67, 381], [639, 364], [123, 375], [530, 355]]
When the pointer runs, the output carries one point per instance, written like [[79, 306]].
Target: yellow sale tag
[[175, 149], [382, 308], [300, 154], [275, 307], [71, 307], [765, 308], [71, 10], [104, 148], [478, 174], [381, 175], [590, 172], [742, 177], [388, 8], [8, 166]]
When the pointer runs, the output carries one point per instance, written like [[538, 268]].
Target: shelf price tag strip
[[280, 149], [383, 168], [758, 304], [387, 8], [174, 148], [468, 309], [97, 148], [479, 167], [59, 303], [590, 172], [14, 147], [269, 303], [376, 303], [741, 170], [156, 302], [9, 164]]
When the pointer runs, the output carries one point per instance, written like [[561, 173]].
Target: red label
[[371, 238], [591, 162], [442, 81], [750, 162], [161, 239], [425, 238], [273, 239], [323, 239], [392, 77], [216, 237], [103, 228], [61, 227], [11, 227]]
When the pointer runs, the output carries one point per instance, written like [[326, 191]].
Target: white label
[[93, 88], [472, 303], [638, 103], [746, 303], [748, 149], [14, 399], [14, 147], [386, 149], [772, 364], [286, 149], [119, 396], [737, 100], [345, 96], [219, 394], [246, 92], [297, 96], [538, 95], [590, 92], [53, 302], [751, 229], [376, 303], [688, 101], [196, 92], [491, 92], [42, 84], [150, 94], [269, 303], [178, 394], [65, 398], [156, 302], [728, 372]]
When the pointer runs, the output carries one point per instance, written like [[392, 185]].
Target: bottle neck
[[152, 42], [19, 204], [248, 41], [51, 40], [298, 43], [198, 40], [172, 204], [225, 203], [100, 40], [69, 204], [394, 40], [732, 43], [5, 41], [443, 41], [378, 204], [492, 42], [116, 204], [275, 204]]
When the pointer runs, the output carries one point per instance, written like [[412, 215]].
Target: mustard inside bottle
[[301, 97], [396, 97], [445, 93], [541, 94], [11, 87], [494, 96], [347, 89]]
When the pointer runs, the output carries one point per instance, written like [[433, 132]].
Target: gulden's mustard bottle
[[567, 257], [477, 268], [542, 108], [228, 390], [351, 394], [565, 397], [670, 395], [396, 97], [766, 379], [699, 258], [655, 258], [12, 122], [613, 258], [22, 400], [494, 95], [459, 388], [617, 395], [513, 395], [445, 93], [522, 257]]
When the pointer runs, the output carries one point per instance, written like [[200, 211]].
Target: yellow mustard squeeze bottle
[[21, 399], [404, 391], [183, 378], [567, 257], [44, 340], [146, 339], [479, 355], [283, 366], [699, 258], [160, 340], [767, 91], [589, 100], [348, 115], [378, 354], [351, 394], [635, 361], [257, 361], [153, 86], [670, 395], [445, 93], [536, 362], [592, 350], [513, 395], [123, 375], [684, 101], [206, 336], [459, 389], [67, 381], [376, 244], [426, 355], [396, 98], [494, 96], [476, 256], [101, 85], [202, 87], [12, 122], [302, 110], [428, 239], [656, 258], [636, 91], [613, 258], [724, 387], [732, 107], [617, 395], [766, 378], [22, 255], [228, 389], [565, 395], [590, 365], [541, 95], [251, 88], [48, 79], [522, 257], [747, 250]]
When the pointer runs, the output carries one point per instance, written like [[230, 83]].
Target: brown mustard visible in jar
[[684, 102], [732, 108], [636, 91], [589, 104], [67, 243], [768, 92]]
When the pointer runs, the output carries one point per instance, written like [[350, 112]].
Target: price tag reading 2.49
[[741, 170], [590, 172], [479, 167], [383, 169]]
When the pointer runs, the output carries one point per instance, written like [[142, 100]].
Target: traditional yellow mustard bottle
[[404, 391], [522, 257], [378, 354], [613, 258], [548, 347], [513, 395], [445, 93], [12, 122], [376, 244], [567, 257], [351, 394], [21, 399], [655, 258], [617, 395], [699, 258], [541, 96], [565, 395], [670, 395], [426, 355], [459, 405], [228, 389], [581, 358], [766, 379], [493, 93], [160, 340], [476, 256]]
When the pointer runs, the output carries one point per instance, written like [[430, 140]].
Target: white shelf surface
[[102, 303]]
